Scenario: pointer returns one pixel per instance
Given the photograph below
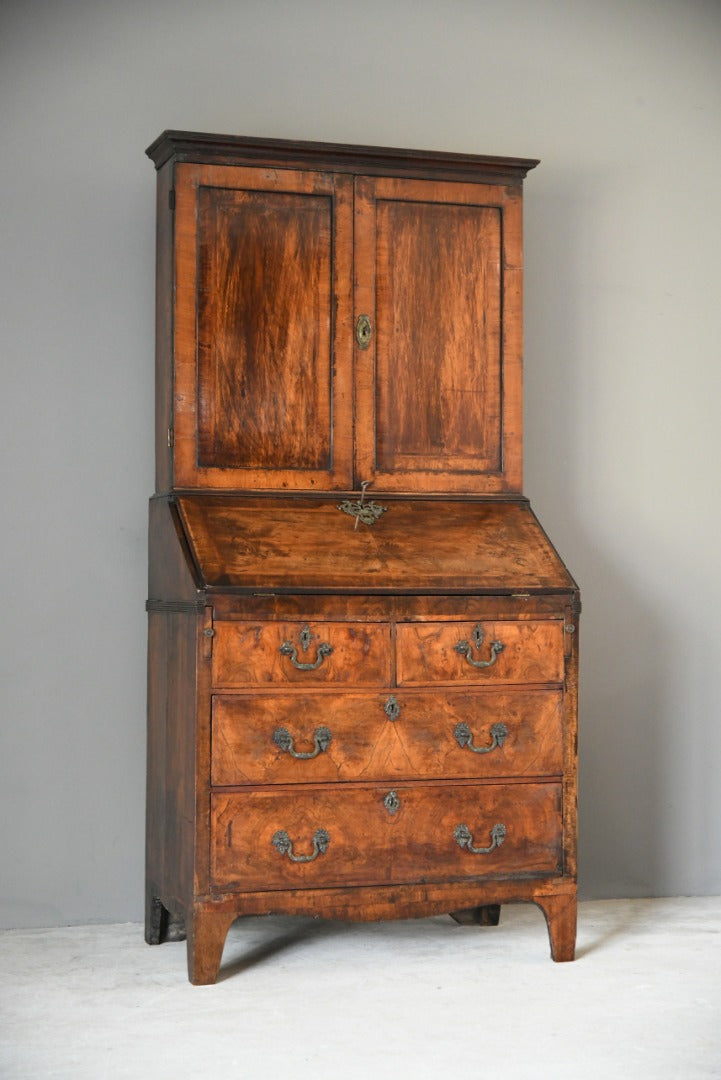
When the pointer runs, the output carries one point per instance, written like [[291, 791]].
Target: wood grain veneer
[[362, 648]]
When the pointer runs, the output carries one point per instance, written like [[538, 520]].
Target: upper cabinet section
[[332, 315]]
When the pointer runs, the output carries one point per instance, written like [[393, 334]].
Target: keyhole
[[363, 331]]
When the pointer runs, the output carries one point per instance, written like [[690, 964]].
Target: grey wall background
[[623, 104]]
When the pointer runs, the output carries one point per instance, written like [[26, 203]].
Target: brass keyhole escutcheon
[[363, 331], [392, 709]]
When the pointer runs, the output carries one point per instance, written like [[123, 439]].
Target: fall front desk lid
[[382, 544]]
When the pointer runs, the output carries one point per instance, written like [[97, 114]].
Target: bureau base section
[[208, 920]]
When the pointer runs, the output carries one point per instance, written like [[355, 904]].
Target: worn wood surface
[[570, 751], [265, 263], [249, 654], [171, 757], [556, 897], [367, 903], [446, 353], [207, 929], [382, 607], [368, 844], [419, 545], [173, 575], [374, 160], [419, 743], [532, 653], [430, 389], [262, 329], [561, 911], [164, 314], [269, 415]]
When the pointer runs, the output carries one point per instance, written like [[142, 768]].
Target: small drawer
[[320, 837], [300, 654], [304, 738], [498, 652]]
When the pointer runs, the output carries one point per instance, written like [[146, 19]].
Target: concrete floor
[[381, 1001]]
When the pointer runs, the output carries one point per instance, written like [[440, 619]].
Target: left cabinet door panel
[[262, 342]]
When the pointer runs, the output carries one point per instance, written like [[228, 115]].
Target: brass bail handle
[[464, 838], [289, 649], [465, 650], [284, 845], [284, 741]]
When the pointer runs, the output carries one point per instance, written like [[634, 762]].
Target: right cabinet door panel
[[438, 383]]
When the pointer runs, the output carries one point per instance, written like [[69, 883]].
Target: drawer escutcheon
[[392, 709]]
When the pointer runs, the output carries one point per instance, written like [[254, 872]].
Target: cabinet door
[[438, 385], [263, 328]]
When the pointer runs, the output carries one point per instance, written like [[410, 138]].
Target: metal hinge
[[171, 438], [171, 199], [208, 634], [569, 629]]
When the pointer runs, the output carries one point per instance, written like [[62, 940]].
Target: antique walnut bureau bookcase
[[362, 646]]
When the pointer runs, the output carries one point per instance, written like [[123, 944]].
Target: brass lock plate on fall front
[[367, 512]]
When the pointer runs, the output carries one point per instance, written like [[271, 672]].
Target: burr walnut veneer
[[362, 646]]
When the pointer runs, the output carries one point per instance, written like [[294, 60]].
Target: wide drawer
[[370, 834], [295, 653], [302, 738], [490, 652]]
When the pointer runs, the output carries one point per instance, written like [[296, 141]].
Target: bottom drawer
[[372, 835]]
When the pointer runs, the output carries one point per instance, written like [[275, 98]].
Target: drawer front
[[306, 738], [299, 654], [493, 652], [364, 835]]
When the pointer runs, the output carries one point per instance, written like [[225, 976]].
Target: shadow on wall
[[627, 643]]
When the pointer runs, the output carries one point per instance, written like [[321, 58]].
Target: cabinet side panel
[[156, 778], [171, 758], [570, 750], [164, 332], [512, 428], [171, 571]]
